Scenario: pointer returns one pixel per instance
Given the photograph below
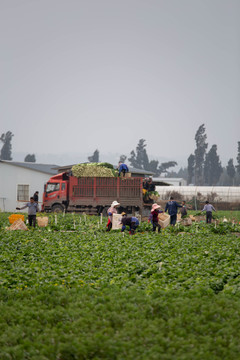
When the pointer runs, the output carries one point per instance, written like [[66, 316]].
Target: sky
[[76, 76]]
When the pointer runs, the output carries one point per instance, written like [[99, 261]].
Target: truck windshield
[[52, 187]]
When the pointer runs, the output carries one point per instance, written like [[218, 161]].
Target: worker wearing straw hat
[[154, 216], [112, 210]]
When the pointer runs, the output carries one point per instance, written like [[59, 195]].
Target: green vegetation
[[73, 291]]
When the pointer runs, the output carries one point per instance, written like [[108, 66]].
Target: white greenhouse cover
[[222, 193]]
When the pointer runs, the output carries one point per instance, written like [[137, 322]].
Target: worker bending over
[[122, 168], [130, 221]]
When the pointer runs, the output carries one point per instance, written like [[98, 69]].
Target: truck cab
[[55, 195]]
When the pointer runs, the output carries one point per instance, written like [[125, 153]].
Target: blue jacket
[[130, 221], [172, 207], [123, 167]]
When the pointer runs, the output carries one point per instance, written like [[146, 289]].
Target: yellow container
[[12, 218]]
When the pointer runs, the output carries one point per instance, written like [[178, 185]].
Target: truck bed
[[102, 191]]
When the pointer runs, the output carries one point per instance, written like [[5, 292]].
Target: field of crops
[[74, 291]]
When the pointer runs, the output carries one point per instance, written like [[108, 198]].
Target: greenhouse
[[230, 194]]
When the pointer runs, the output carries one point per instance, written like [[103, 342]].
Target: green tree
[[182, 173], [122, 158], [238, 159], [6, 151], [200, 151], [212, 167], [30, 158], [140, 160], [95, 157], [190, 168], [166, 165], [231, 170]]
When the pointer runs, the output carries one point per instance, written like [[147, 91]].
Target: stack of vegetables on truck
[[94, 170]]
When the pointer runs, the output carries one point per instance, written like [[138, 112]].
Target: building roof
[[44, 168], [168, 181], [140, 171]]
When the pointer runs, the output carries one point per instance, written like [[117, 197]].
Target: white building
[[20, 180]]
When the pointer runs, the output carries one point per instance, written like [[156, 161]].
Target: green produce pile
[[74, 291], [94, 170]]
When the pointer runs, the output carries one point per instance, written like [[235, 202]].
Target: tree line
[[139, 159], [6, 150], [203, 167]]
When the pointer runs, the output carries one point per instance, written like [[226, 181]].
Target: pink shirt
[[111, 210]]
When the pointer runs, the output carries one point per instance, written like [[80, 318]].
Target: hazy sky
[[79, 75]]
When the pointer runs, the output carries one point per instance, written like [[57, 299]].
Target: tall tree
[[140, 160], [212, 167], [30, 158], [95, 157], [238, 159], [6, 151], [122, 158], [164, 166], [200, 152], [190, 169], [231, 170]]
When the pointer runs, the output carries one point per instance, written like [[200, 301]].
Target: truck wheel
[[57, 209]]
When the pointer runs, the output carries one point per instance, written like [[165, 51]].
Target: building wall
[[11, 176]]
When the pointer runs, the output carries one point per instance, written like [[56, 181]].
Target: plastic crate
[[12, 218]]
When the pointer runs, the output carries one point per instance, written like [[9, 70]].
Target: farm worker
[[172, 208], [35, 196], [145, 186], [154, 217], [32, 210], [122, 168], [130, 221], [183, 209], [151, 186], [112, 210], [209, 209]]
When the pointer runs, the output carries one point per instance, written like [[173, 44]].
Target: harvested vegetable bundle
[[94, 170]]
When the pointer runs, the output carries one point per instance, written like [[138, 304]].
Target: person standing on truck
[[122, 168], [32, 211], [172, 208], [112, 210], [130, 221], [209, 209], [35, 196], [154, 217], [151, 186]]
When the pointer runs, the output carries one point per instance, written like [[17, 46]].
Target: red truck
[[92, 195]]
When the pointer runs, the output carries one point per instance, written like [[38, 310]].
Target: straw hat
[[115, 203], [123, 214], [155, 206]]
